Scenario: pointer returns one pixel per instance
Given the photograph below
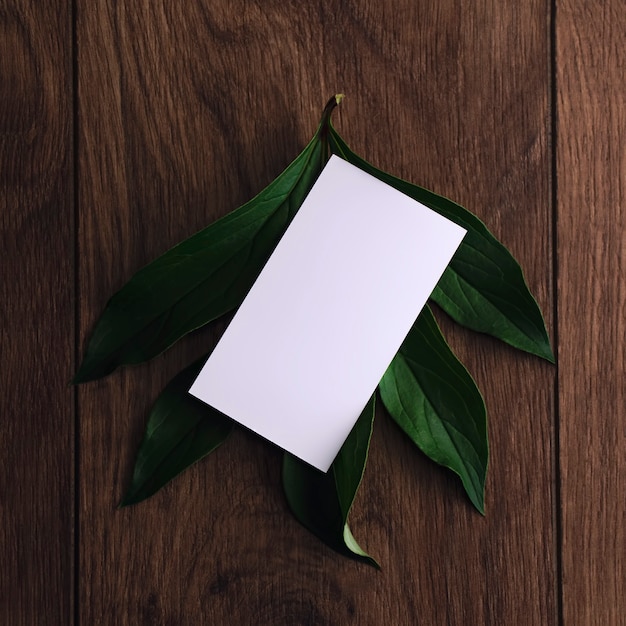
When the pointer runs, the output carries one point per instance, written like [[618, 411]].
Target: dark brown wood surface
[[37, 340], [592, 309], [126, 126]]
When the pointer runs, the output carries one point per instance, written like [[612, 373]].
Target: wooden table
[[126, 126]]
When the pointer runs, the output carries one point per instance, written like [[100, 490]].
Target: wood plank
[[592, 308], [37, 327], [187, 112]]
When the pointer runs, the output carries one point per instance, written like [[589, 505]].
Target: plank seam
[[556, 460], [75, 188]]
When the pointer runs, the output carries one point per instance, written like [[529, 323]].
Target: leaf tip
[[78, 378], [478, 499], [87, 372], [373, 562], [355, 550], [129, 499], [328, 109], [540, 347]]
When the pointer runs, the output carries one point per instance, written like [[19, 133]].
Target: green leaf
[[322, 501], [435, 401], [181, 430], [203, 277], [483, 288]]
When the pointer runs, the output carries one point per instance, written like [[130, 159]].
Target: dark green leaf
[[181, 430], [322, 501], [435, 401], [201, 278], [483, 288]]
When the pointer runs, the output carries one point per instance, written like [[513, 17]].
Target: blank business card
[[321, 324]]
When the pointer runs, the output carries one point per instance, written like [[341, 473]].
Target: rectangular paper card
[[321, 324]]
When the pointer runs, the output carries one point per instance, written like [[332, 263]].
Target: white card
[[321, 324]]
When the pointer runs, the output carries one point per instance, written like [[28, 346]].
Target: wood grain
[[184, 113], [36, 314], [592, 308]]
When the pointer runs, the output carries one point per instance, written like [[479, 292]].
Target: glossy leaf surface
[[322, 501], [435, 401], [181, 430], [483, 288]]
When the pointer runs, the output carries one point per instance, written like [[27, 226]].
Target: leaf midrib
[[447, 424], [245, 244]]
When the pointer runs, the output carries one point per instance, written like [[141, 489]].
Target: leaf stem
[[325, 124], [328, 109]]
